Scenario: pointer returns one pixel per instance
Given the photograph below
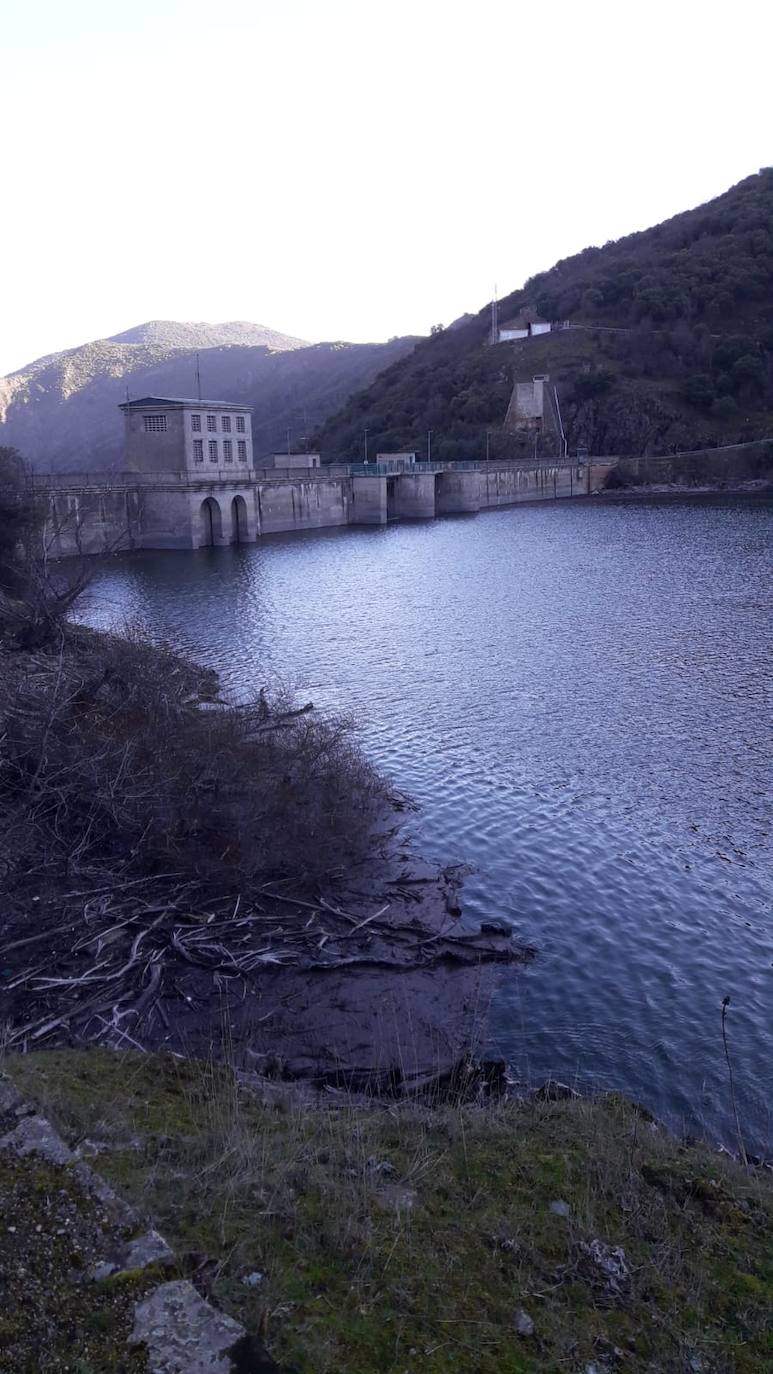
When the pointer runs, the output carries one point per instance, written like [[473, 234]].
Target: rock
[[35, 1135], [89, 1149], [380, 1166], [254, 1279], [102, 1270], [553, 1091], [610, 1264], [496, 928], [10, 1099], [395, 1198], [150, 1248], [523, 1323], [561, 1208], [183, 1334], [96, 1186]]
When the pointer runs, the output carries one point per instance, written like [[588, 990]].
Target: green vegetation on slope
[[400, 1238], [692, 365]]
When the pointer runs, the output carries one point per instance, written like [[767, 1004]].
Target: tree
[[699, 391], [34, 599], [748, 374], [20, 520]]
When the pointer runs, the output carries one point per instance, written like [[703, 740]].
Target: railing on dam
[[111, 479]]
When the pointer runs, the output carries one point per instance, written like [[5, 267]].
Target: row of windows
[[225, 424], [228, 450]]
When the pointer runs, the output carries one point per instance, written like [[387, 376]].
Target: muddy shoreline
[[376, 984]]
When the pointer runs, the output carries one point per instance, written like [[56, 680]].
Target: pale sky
[[339, 169]]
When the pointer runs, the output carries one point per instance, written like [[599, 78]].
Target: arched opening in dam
[[211, 522], [239, 527]]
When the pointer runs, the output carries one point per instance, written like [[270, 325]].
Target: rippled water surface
[[579, 696]]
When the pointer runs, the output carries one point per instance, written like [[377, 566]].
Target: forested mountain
[[674, 347], [61, 412]]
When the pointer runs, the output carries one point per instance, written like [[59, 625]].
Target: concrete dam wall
[[131, 510]]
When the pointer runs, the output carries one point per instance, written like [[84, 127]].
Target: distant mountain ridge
[[673, 349], [187, 334], [61, 411]]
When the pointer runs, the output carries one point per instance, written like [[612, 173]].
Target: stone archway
[[239, 525], [211, 522]]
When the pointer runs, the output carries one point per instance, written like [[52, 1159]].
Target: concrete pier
[[411, 496], [457, 491]]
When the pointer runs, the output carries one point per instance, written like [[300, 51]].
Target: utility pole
[[495, 317], [366, 446], [488, 445], [560, 423], [288, 443], [429, 446], [198, 380]]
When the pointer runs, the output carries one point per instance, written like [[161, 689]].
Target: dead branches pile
[[125, 961], [164, 852]]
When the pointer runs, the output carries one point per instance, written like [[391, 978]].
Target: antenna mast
[[198, 379], [495, 317]]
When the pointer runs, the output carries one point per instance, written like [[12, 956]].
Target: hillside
[[673, 348], [61, 411]]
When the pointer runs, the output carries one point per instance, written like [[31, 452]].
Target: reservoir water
[[579, 698]]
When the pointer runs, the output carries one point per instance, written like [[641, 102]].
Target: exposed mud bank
[[376, 983]]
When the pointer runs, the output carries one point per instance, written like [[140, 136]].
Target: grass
[[394, 1238]]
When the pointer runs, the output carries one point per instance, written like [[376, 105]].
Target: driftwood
[[112, 968]]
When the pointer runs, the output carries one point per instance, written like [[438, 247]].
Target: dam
[[107, 512], [190, 482]]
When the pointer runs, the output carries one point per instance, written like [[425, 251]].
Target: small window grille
[[242, 450], [154, 424], [225, 420], [212, 423], [240, 424], [213, 450], [198, 450], [228, 451], [196, 424]]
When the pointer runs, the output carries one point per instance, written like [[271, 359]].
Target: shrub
[[113, 762], [699, 391]]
